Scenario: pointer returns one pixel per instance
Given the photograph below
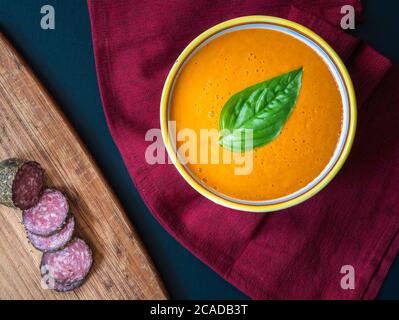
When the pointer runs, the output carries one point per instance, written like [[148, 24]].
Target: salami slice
[[67, 267], [55, 241], [21, 183], [48, 215]]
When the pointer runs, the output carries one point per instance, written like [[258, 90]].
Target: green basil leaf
[[263, 108]]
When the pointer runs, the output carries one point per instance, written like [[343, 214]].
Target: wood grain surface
[[32, 127]]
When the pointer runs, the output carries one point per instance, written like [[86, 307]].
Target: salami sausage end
[[21, 183]]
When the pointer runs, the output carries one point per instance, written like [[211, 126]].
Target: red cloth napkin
[[292, 254]]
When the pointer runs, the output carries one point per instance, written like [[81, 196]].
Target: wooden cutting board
[[32, 127]]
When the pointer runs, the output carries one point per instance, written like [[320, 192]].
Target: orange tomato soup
[[239, 59]]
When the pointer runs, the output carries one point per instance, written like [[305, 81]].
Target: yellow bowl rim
[[352, 111]]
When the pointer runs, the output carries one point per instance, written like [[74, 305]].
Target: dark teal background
[[63, 60]]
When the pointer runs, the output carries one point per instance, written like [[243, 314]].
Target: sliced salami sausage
[[48, 216], [21, 183], [55, 241], [67, 267]]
